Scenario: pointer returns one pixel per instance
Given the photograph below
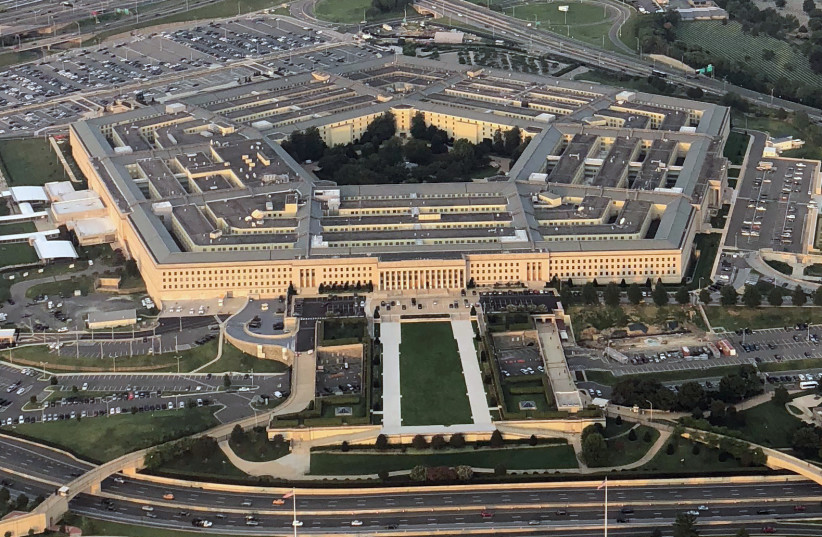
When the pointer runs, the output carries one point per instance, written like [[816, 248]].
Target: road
[[544, 42]]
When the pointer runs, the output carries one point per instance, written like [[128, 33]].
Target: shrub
[[670, 449], [419, 442], [647, 436], [632, 435], [457, 440], [438, 442]]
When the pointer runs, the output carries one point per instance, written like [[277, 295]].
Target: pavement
[[390, 338], [464, 334]]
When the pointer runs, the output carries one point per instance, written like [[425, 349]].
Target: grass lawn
[[217, 10], [254, 445], [736, 146], [775, 127], [813, 270], [781, 266], [235, 360], [586, 22], [63, 287], [18, 253], [612, 429], [29, 161], [350, 12], [512, 400], [683, 460], [619, 81], [769, 425], [232, 360], [608, 379], [216, 466], [103, 439], [625, 451], [735, 317], [431, 381], [515, 458], [103, 527], [707, 245], [342, 331], [17, 227], [791, 365]]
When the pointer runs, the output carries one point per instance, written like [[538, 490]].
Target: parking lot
[[338, 373], [772, 206], [60, 88]]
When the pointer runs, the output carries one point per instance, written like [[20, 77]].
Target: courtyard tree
[[752, 297], [612, 294], [780, 396], [682, 296], [595, 450], [728, 296], [496, 439], [798, 296], [775, 296], [381, 443], [419, 442], [705, 296], [634, 294], [589, 294], [660, 295]]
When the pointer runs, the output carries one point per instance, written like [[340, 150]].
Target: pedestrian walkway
[[464, 334], [390, 337]]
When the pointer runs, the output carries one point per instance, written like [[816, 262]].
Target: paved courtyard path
[[464, 334], [390, 337]]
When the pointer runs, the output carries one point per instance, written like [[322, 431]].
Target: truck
[[725, 347], [686, 351]]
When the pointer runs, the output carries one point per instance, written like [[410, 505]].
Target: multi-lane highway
[[544, 42]]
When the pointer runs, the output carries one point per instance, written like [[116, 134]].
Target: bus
[[808, 385]]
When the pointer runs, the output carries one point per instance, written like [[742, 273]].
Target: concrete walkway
[[390, 337], [464, 334]]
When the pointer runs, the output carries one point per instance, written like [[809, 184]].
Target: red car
[[799, 508], [486, 514], [768, 529]]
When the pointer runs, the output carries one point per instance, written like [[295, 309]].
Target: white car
[[119, 480], [297, 523], [356, 522]]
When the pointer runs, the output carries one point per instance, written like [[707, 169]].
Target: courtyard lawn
[[18, 253], [514, 458], [29, 161], [769, 425], [733, 318], [431, 380], [736, 146], [684, 461], [707, 244], [103, 439], [85, 284], [625, 451], [342, 331], [17, 227]]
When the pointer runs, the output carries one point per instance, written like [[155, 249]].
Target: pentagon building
[[613, 185]]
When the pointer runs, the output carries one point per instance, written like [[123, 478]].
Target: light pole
[[652, 409], [78, 26]]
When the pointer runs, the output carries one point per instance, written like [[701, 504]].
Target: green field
[[18, 253], [349, 12], [431, 381], [232, 360], [103, 439], [714, 37], [735, 147], [769, 425], [586, 22], [735, 317], [515, 458], [216, 466], [29, 161], [683, 460], [85, 284]]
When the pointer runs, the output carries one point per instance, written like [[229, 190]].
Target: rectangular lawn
[[431, 380]]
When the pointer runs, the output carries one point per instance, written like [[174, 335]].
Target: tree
[[381, 443], [419, 442], [660, 295], [632, 435], [418, 473], [344, 446], [694, 93], [691, 395], [817, 297], [775, 296], [457, 441], [634, 294], [742, 531], [800, 117], [512, 139], [806, 441], [682, 295], [595, 450], [417, 152], [808, 6], [438, 442], [612, 295], [53, 380], [22, 502], [780, 396], [533, 440], [798, 296], [227, 381], [238, 435], [685, 526], [705, 296], [464, 473], [728, 296], [752, 297], [496, 439], [589, 294]]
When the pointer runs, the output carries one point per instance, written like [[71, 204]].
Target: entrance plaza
[[431, 378]]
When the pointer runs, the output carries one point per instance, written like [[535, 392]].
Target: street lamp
[[652, 408]]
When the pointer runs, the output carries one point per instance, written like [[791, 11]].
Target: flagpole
[[294, 510], [606, 506]]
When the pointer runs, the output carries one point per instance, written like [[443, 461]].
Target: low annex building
[[613, 185]]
